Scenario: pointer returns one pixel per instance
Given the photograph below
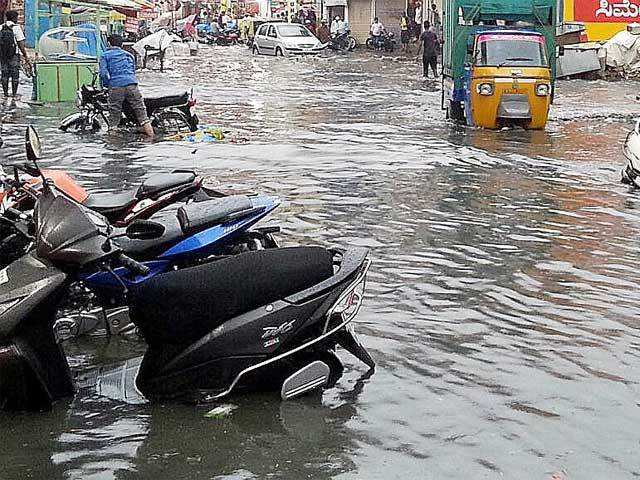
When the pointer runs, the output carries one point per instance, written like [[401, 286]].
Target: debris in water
[[221, 411], [203, 134]]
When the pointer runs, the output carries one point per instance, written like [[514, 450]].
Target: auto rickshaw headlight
[[485, 89], [543, 90]]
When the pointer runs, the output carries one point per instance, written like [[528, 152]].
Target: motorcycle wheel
[[82, 125], [351, 43], [369, 44], [170, 122]]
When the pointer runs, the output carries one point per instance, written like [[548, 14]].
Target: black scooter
[[386, 42], [269, 319], [169, 114]]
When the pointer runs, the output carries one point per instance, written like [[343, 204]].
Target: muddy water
[[502, 302]]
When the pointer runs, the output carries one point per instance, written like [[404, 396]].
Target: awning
[[123, 3]]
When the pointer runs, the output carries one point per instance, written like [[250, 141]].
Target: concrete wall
[[360, 19], [389, 13]]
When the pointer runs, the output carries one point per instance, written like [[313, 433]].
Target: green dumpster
[[59, 81]]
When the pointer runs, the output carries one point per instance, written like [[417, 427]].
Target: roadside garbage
[[623, 51], [203, 134], [221, 411], [157, 42]]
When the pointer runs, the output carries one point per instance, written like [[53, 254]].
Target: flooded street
[[502, 302]]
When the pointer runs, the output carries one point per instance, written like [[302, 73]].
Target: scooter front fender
[[70, 120]]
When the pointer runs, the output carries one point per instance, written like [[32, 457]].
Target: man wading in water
[[11, 45], [429, 45], [117, 73]]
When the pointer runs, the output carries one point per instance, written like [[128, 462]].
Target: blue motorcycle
[[199, 232]]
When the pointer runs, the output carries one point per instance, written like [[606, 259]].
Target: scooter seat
[[144, 250], [111, 205], [195, 217], [179, 307], [153, 103], [164, 181]]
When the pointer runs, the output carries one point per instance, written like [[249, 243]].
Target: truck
[[499, 62]]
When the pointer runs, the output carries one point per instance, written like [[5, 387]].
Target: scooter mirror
[[145, 230], [32, 144]]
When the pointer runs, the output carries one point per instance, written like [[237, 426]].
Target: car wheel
[[279, 52]]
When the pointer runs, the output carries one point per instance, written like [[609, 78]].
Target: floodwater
[[502, 303]]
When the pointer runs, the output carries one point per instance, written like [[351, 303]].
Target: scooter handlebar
[[134, 266]]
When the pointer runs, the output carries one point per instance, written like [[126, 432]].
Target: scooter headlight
[[485, 89], [543, 90]]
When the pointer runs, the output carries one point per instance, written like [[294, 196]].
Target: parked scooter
[[631, 150], [344, 42], [169, 114], [386, 42], [220, 327]]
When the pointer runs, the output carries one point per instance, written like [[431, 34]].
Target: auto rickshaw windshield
[[511, 51]]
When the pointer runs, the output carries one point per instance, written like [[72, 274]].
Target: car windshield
[[512, 51], [293, 31]]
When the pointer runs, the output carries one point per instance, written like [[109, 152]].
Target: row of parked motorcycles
[[222, 308]]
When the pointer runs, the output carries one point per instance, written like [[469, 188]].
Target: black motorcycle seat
[[198, 216], [164, 181], [111, 204], [166, 101], [179, 307], [143, 250]]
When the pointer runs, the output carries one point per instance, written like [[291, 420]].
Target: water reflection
[[501, 303]]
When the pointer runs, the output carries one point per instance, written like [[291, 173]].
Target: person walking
[[11, 46], [404, 32], [429, 45], [117, 73]]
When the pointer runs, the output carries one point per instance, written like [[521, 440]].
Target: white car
[[285, 39]]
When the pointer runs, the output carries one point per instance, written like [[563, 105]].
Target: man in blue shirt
[[117, 73]]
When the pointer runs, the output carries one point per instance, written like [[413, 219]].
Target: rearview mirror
[[145, 230], [32, 144]]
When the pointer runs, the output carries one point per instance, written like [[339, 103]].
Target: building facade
[[360, 13]]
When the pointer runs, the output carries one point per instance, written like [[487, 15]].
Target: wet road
[[502, 302]]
